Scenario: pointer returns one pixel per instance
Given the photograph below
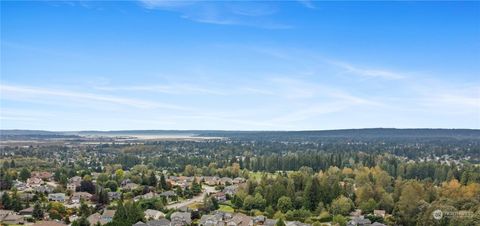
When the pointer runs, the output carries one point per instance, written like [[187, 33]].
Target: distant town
[[212, 178]]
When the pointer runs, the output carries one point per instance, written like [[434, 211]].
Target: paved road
[[198, 198]]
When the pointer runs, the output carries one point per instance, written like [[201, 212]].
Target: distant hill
[[32, 135], [345, 133], [374, 132]]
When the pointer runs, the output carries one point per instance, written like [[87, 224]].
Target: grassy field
[[225, 208]]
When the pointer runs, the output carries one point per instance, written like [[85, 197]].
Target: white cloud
[[176, 88], [368, 72], [253, 14], [33, 93], [307, 3]]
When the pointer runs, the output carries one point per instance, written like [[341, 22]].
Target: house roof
[[94, 218], [168, 193], [48, 223], [151, 212], [27, 210], [160, 222], [109, 213]]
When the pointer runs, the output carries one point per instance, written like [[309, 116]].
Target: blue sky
[[291, 65]]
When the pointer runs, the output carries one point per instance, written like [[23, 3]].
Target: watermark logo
[[437, 214]]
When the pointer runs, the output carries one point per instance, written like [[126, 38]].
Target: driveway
[[198, 198]]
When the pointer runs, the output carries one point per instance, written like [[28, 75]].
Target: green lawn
[[225, 208]]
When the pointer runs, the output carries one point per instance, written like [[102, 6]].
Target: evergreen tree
[[81, 222], [311, 194], [37, 211], [24, 174], [196, 187], [163, 182], [280, 222], [152, 180], [6, 201]]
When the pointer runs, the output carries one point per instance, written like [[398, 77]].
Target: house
[[217, 219], [295, 223], [211, 220], [48, 223], [4, 213], [44, 189], [149, 195], [220, 196], [13, 219], [153, 214], [130, 186], [72, 187], [161, 222], [169, 195], [34, 182], [259, 220], [226, 181], [76, 180], [359, 221], [26, 212], [20, 186], [239, 219], [77, 196], [211, 181], [42, 175], [114, 195], [230, 190], [379, 213], [239, 180], [181, 218], [104, 218], [139, 224], [57, 197]]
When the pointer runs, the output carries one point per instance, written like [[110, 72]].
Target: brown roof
[[48, 223], [109, 213]]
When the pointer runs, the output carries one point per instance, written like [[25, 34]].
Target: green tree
[[152, 179], [196, 187], [407, 205], [6, 201], [311, 194], [260, 202], [24, 174], [249, 202], [84, 209], [37, 211], [284, 204], [163, 182], [113, 185], [342, 205], [81, 222], [128, 214], [339, 219], [280, 222], [368, 206]]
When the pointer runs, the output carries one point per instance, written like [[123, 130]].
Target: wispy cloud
[[368, 72], [177, 89], [15, 92], [307, 3], [253, 14]]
